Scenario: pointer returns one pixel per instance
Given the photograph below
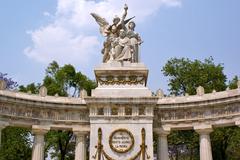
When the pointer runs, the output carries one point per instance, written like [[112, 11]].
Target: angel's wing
[[101, 22], [126, 21], [123, 24]]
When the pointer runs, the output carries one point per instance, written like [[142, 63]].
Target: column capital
[[40, 129], [162, 131], [203, 129]]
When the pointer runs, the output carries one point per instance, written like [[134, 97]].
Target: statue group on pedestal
[[122, 42]]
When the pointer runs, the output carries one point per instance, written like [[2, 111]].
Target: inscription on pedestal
[[121, 140]]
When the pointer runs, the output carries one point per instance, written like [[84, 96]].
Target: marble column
[[162, 144], [38, 145], [80, 150], [205, 143]]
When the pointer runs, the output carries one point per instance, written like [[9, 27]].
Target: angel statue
[[121, 41]]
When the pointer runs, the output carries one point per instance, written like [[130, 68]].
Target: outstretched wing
[[123, 24], [101, 22], [126, 21]]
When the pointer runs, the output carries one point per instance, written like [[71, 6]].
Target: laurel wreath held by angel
[[122, 42]]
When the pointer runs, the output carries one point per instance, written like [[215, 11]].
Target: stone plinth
[[121, 80]]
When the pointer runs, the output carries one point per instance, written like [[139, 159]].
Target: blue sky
[[33, 33]]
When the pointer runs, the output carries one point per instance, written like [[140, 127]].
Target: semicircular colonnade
[[201, 112]]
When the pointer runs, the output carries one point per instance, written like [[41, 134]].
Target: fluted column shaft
[[205, 144], [38, 146], [80, 150], [162, 145]]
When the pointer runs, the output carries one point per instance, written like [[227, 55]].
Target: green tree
[[184, 77], [226, 143], [16, 144], [64, 81], [33, 88], [233, 83]]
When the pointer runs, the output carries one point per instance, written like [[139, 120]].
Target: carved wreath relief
[[121, 140]]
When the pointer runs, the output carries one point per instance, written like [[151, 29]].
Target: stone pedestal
[[121, 113], [162, 144], [80, 150], [38, 146], [121, 80], [205, 142]]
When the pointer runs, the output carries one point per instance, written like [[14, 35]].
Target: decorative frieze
[[195, 113], [121, 80], [52, 114]]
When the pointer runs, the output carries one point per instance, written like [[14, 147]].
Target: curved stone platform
[[218, 109]]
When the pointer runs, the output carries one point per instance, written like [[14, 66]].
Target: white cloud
[[57, 43], [71, 36], [46, 14]]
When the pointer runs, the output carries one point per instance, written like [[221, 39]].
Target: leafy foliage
[[184, 145], [233, 83], [10, 83], [33, 88], [16, 144], [62, 144], [226, 143], [186, 75], [65, 81]]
